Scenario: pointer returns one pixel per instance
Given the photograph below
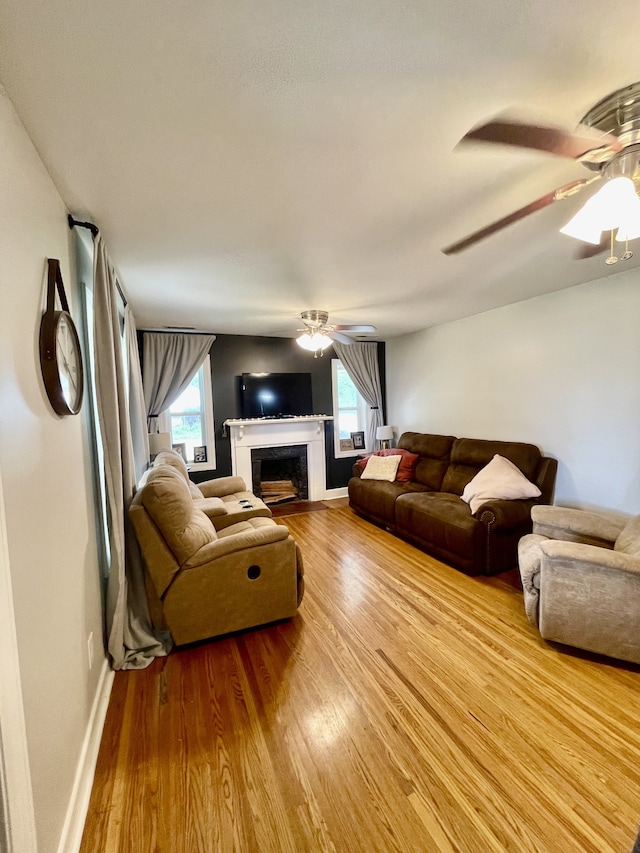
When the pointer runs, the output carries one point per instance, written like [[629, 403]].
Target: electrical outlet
[[90, 650]]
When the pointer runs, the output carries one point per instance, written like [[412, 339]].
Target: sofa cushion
[[211, 507], [434, 452], [376, 498], [240, 506], [628, 540], [500, 479], [469, 455], [171, 457], [167, 499], [407, 467], [381, 468], [442, 524]]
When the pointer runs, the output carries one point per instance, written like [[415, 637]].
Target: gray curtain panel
[[169, 362], [131, 641], [360, 360], [137, 407]]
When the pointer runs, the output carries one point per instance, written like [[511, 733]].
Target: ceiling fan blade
[[342, 339], [553, 140], [538, 204], [351, 328]]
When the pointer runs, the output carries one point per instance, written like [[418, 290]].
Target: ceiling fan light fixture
[[629, 225], [314, 341], [616, 205], [583, 227]]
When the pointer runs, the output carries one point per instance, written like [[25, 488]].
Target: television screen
[[275, 395]]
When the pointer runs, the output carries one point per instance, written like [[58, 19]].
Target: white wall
[[45, 468], [561, 371]]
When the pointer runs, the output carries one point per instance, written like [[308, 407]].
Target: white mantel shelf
[[240, 423], [249, 433]]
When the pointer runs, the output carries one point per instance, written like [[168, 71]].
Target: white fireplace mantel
[[250, 433]]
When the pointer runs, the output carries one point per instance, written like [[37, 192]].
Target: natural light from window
[[349, 410], [189, 420]]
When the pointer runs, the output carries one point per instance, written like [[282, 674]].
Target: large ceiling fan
[[318, 333], [607, 142]]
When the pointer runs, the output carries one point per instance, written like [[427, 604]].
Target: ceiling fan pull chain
[[612, 258], [627, 253]]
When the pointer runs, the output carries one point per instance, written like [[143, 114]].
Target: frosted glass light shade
[[313, 343], [616, 205]]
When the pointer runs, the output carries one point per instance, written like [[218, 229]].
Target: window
[[349, 408], [189, 421]]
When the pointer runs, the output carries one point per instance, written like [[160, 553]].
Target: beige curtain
[[360, 360], [131, 641], [169, 362]]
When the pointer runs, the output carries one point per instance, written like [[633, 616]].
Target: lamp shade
[[384, 433], [159, 441]]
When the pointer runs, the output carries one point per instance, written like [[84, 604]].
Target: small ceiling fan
[[607, 141], [318, 333]]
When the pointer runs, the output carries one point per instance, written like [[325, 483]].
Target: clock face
[[61, 362], [69, 362]]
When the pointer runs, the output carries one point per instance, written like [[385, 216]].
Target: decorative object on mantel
[[60, 353], [318, 334], [384, 434], [606, 142]]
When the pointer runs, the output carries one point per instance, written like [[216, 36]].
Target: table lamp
[[158, 441], [384, 434]]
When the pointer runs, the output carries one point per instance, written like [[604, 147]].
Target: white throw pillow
[[381, 468], [500, 479]]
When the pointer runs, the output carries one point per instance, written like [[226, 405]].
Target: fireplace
[[279, 474], [307, 431]]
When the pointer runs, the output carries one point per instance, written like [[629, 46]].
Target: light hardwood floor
[[407, 707]]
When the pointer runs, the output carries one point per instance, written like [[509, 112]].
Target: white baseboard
[[71, 837], [329, 494]]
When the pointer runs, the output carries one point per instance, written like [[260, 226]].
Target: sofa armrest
[[221, 486], [577, 525], [546, 479], [505, 514], [236, 542], [576, 556]]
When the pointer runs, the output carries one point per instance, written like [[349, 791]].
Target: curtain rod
[[182, 330], [94, 233], [73, 222]]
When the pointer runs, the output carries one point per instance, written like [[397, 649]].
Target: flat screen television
[[275, 395]]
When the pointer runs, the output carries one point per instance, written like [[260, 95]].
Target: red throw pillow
[[407, 467]]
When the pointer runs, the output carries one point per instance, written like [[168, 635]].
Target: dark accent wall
[[233, 355]]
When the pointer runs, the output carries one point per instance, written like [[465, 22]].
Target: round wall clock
[[60, 353]]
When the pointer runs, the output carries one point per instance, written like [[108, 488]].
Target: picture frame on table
[[200, 453], [346, 444], [181, 449], [358, 440]]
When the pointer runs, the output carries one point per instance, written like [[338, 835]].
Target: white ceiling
[[249, 159]]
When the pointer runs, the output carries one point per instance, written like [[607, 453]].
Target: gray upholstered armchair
[[581, 578]]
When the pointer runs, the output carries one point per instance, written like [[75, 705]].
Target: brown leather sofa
[[429, 510]]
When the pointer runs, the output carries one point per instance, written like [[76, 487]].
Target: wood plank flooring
[[406, 708]]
